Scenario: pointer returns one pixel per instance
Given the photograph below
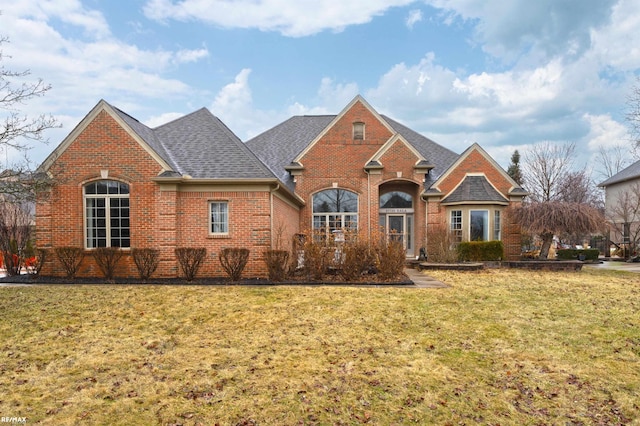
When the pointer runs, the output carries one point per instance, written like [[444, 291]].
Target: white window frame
[[328, 221], [223, 217], [497, 225], [108, 199], [456, 225]]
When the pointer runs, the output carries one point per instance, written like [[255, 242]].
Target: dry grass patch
[[507, 347]]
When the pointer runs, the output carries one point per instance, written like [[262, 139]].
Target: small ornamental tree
[[233, 261], [146, 260], [556, 217], [190, 259]]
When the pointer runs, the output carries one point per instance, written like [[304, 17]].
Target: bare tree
[[633, 114], [15, 233], [17, 129], [545, 169], [550, 218], [612, 160], [563, 201], [578, 187]]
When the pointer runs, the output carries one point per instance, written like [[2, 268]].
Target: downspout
[[271, 213], [368, 204]]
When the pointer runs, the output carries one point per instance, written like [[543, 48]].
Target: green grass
[[497, 347]]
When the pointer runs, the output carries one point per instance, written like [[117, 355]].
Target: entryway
[[397, 215]]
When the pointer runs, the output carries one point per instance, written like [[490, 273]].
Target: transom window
[[219, 217], [335, 209], [396, 200], [107, 214]]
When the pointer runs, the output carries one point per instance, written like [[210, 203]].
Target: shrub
[[477, 251], [277, 264], [357, 258], [107, 259], [233, 261], [390, 259], [316, 257], [34, 264], [146, 260], [569, 254], [190, 260], [70, 258], [442, 249]]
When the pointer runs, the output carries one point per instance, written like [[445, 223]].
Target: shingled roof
[[440, 157], [475, 189], [631, 172], [280, 145], [201, 146]]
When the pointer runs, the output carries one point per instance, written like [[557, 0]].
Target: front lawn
[[497, 347]]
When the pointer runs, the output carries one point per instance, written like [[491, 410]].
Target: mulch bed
[[213, 281]]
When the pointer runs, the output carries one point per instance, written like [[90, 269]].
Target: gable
[[475, 161], [340, 132], [112, 120]]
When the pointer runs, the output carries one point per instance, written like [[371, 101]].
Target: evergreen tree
[[514, 168]]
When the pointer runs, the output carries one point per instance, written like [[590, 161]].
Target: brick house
[[193, 183]]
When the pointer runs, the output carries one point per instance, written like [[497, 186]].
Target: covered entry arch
[[397, 204]]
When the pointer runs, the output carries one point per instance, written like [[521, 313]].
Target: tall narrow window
[[219, 217], [479, 226], [107, 214], [456, 225], [496, 225], [358, 131]]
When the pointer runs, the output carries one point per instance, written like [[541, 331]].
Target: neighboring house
[[622, 204], [193, 183]]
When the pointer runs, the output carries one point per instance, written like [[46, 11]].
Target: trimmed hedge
[[475, 251], [569, 254]]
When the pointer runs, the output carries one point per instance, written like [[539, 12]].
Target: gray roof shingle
[[201, 146], [631, 172], [440, 157], [278, 146], [474, 189]]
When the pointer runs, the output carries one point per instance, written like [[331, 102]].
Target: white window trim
[[107, 217], [210, 221]]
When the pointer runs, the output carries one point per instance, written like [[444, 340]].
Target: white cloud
[[185, 55], [414, 17], [542, 28], [161, 119], [294, 18], [604, 132]]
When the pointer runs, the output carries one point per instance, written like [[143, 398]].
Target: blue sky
[[505, 74]]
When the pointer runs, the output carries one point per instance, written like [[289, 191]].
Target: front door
[[400, 228]]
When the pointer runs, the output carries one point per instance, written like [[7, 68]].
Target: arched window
[[106, 205], [335, 209], [396, 200]]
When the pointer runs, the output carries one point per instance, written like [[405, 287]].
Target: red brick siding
[[102, 145]]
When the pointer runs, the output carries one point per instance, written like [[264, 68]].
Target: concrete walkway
[[617, 265], [423, 281]]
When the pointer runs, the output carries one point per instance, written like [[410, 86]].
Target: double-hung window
[[219, 216], [107, 213], [456, 225]]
